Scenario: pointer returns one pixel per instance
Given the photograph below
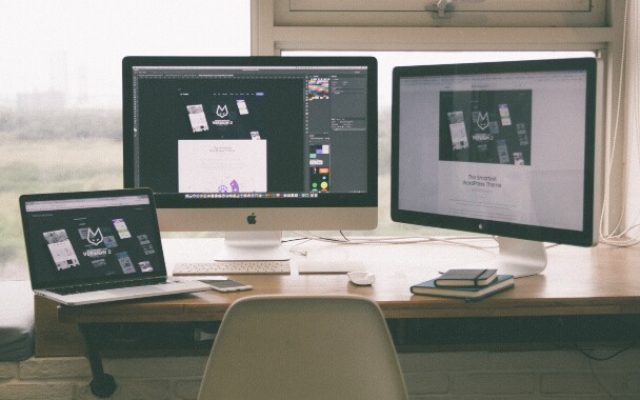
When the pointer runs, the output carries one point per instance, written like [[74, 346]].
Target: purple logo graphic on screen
[[233, 187]]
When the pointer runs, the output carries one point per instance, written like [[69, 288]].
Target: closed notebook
[[467, 277], [502, 282]]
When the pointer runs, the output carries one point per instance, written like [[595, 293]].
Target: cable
[[609, 166], [614, 354], [576, 346], [599, 381], [393, 240]]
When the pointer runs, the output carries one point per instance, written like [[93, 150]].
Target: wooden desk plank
[[53, 338], [577, 281]]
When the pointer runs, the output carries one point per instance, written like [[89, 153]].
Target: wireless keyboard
[[232, 267]]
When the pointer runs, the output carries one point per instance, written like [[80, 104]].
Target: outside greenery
[[65, 150]]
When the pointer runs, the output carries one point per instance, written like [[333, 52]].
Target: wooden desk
[[577, 281]]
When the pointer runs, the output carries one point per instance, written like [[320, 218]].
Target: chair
[[303, 348]]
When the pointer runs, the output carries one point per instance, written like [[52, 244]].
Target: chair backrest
[[303, 348]]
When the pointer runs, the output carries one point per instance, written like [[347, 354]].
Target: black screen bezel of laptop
[[159, 270]]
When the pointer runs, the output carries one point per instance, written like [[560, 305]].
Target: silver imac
[[253, 146]]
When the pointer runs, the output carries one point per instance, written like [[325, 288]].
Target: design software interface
[[250, 132]]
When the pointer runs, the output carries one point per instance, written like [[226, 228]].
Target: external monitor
[[502, 148], [253, 146]]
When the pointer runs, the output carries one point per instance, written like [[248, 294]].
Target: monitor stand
[[520, 258], [253, 246]]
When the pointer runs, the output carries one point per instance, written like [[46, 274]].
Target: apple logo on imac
[[251, 219]]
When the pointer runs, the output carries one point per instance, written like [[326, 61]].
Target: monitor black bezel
[[177, 200], [514, 230]]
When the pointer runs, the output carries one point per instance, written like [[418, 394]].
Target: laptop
[[96, 247]]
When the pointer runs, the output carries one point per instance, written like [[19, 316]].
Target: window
[[281, 26], [60, 98], [440, 13]]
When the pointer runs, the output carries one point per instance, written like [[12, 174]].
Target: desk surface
[[576, 281]]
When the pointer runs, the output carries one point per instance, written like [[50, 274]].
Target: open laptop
[[94, 247]]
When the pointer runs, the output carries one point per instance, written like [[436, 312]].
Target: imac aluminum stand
[[253, 246]]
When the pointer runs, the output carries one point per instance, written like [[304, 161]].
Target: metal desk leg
[[102, 385]]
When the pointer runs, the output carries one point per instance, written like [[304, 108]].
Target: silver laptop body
[[96, 247]]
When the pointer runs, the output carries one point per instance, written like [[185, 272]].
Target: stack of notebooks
[[469, 284]]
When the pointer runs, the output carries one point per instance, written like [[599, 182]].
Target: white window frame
[[604, 38]]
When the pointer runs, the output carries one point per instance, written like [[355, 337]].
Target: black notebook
[[429, 287], [467, 277]]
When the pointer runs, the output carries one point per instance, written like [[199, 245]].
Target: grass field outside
[[46, 165]]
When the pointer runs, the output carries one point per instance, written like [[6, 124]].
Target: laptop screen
[[77, 238]]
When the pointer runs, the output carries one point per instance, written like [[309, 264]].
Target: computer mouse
[[361, 278]]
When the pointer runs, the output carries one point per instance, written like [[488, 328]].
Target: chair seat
[[16, 320]]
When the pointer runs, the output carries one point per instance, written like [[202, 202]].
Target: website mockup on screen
[[501, 147], [222, 166]]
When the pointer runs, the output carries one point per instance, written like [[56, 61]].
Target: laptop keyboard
[[106, 285]]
